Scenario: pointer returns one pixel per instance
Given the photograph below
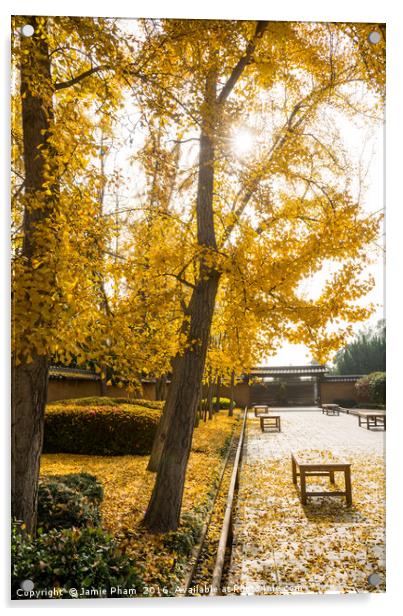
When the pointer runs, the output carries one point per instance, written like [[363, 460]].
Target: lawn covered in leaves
[[127, 489]]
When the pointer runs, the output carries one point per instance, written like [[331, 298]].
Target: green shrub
[[362, 389], [348, 403], [158, 405], [65, 501], [105, 401], [184, 539], [85, 483], [378, 387], [76, 558], [372, 388], [224, 402], [371, 405], [100, 430]]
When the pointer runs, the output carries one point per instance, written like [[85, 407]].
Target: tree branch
[[242, 63], [71, 82]]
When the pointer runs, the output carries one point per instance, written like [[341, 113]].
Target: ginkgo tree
[[273, 221], [63, 100]]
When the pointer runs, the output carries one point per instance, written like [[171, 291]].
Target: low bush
[[105, 401], [348, 403], [158, 405], [184, 539], [61, 560], [65, 501], [371, 405], [100, 430], [372, 388], [85, 483], [224, 403], [378, 387]]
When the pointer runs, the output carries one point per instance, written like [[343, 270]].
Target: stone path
[[282, 547]]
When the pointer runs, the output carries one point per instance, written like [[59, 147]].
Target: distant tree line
[[365, 354]]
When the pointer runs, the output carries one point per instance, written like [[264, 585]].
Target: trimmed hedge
[[65, 501], [100, 430], [70, 559], [105, 401]]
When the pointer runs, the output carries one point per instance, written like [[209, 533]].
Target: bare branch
[[74, 80], [242, 63]]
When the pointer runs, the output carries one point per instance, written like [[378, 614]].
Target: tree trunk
[[217, 395], [159, 439], [29, 391], [163, 511], [102, 387], [232, 393], [160, 387], [164, 508], [197, 413], [210, 398], [29, 380], [102, 382]]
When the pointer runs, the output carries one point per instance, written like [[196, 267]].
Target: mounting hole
[[374, 579], [374, 37], [27, 30], [27, 585]]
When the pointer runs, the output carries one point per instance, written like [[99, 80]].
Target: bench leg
[[303, 486], [294, 470], [347, 476], [331, 475]]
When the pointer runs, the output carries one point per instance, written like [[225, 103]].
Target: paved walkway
[[282, 547]]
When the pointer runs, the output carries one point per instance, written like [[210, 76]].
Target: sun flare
[[243, 142]]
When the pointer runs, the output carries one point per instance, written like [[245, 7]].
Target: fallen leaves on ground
[[321, 547], [127, 488]]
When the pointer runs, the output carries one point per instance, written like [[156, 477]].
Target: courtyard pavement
[[283, 547]]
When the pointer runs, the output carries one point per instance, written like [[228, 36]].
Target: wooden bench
[[261, 409], [303, 469], [372, 419], [331, 409], [334, 411], [270, 421]]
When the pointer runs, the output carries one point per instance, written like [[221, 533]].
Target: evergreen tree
[[366, 354]]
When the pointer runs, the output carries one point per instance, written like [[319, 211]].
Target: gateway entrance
[[286, 385]]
